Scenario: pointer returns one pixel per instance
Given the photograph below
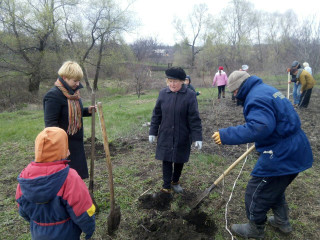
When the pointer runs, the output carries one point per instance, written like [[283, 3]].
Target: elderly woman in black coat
[[176, 122], [63, 108]]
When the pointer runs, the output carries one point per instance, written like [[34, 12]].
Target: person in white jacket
[[221, 80]]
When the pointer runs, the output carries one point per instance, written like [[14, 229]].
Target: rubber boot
[[248, 230], [176, 187], [280, 219]]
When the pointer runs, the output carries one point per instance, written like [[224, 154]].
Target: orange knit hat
[[51, 145]]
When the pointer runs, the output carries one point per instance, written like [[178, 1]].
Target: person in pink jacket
[[221, 80]]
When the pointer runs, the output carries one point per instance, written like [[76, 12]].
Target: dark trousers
[[171, 173], [221, 89], [305, 98], [265, 193]]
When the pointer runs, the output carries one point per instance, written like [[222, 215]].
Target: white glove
[[198, 144], [152, 138]]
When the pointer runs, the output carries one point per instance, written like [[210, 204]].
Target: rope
[[230, 197]]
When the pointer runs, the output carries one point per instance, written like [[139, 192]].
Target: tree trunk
[[85, 77], [34, 83]]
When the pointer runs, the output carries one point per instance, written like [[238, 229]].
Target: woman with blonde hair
[[63, 108]]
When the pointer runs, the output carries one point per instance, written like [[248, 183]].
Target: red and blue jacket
[[56, 201]]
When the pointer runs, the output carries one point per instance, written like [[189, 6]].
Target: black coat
[[55, 106], [176, 122]]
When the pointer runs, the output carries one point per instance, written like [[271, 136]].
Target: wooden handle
[[106, 149], [93, 136], [288, 93], [233, 165]]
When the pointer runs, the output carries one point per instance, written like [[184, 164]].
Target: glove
[[216, 138], [198, 144], [152, 138]]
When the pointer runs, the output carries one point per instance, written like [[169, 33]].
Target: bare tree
[[28, 26], [196, 29]]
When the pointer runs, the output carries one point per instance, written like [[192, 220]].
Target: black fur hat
[[176, 73]]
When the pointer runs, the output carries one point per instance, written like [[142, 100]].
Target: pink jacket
[[220, 80]]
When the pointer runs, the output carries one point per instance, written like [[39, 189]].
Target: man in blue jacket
[[275, 128]]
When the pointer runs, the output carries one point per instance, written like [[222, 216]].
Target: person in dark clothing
[[176, 122], [63, 108], [187, 82], [275, 127], [297, 86]]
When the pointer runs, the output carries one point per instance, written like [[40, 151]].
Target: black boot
[[280, 219], [248, 230]]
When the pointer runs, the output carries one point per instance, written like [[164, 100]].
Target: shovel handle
[[226, 172], [93, 136], [288, 93], [107, 151]]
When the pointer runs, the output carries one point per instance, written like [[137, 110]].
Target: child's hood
[[51, 145], [40, 182]]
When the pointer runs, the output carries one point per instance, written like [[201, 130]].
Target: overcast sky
[[156, 16]]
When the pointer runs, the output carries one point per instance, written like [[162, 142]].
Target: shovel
[[226, 172], [93, 156], [115, 214]]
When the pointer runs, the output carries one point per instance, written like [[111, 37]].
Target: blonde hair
[[70, 69], [305, 64]]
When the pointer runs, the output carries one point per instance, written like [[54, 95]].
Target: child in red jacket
[[51, 196]]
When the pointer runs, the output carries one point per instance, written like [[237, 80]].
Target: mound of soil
[[173, 225]]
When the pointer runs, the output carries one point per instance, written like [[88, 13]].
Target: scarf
[[74, 109]]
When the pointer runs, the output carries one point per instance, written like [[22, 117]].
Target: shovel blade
[[114, 219], [199, 199]]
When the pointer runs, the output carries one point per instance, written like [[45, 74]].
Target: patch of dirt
[[173, 225]]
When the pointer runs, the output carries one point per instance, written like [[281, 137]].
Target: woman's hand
[[92, 107]]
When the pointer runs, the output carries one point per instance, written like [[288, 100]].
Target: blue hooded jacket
[[57, 205], [274, 126]]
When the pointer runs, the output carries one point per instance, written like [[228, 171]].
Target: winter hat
[[295, 64], [220, 68], [188, 78], [244, 67], [51, 145], [176, 73], [236, 78], [305, 64]]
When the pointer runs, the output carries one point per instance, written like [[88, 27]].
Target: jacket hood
[[247, 86], [51, 145], [43, 188]]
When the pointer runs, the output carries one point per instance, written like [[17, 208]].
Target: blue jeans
[[296, 93]]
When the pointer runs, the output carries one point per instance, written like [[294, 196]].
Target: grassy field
[[136, 171]]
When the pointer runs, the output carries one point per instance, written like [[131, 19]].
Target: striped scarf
[[74, 109]]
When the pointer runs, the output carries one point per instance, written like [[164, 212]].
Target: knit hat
[[51, 145], [305, 64], [244, 67], [220, 68], [236, 78], [176, 73]]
